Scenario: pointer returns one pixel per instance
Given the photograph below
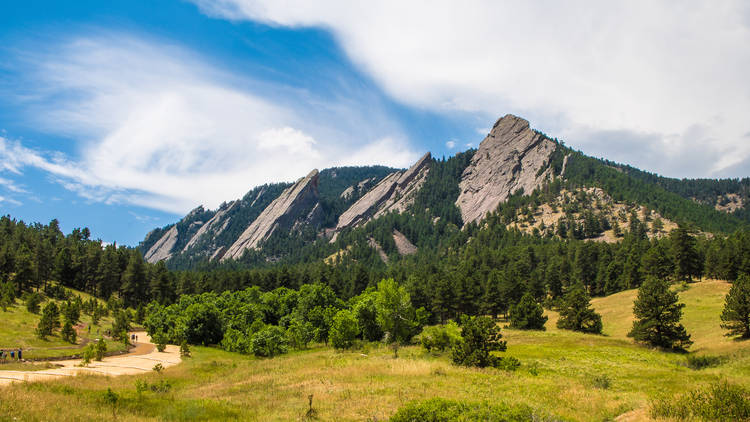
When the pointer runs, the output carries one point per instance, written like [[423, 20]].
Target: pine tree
[[658, 316], [527, 314], [687, 260], [736, 314], [479, 337], [49, 321], [68, 333], [576, 313], [492, 300]]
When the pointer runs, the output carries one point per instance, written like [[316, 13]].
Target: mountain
[[532, 182]]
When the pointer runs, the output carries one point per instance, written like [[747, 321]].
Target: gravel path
[[138, 360]]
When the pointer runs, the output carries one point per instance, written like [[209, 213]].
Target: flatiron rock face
[[511, 157], [394, 193], [162, 249], [282, 212], [213, 227]]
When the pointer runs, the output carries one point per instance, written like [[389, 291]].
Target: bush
[[100, 349], [528, 314], [718, 402], [702, 362], [440, 338], [299, 333], [269, 342], [184, 349], [160, 340], [602, 382], [442, 410], [343, 330]]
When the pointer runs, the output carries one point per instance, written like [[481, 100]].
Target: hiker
[[19, 354], [12, 354], [132, 336]]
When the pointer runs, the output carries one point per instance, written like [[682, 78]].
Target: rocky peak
[[511, 157], [162, 249], [298, 199], [394, 193]]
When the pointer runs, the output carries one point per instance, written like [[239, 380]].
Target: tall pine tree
[[658, 316]]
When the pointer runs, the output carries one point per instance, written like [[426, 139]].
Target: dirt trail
[[138, 360]]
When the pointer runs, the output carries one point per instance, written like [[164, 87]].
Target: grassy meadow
[[564, 376], [17, 329]]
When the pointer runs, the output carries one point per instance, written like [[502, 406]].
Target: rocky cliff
[[301, 199], [162, 249], [394, 193], [511, 157]]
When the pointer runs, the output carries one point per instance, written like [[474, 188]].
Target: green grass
[[564, 376], [18, 326]]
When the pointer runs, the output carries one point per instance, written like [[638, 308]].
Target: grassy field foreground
[[564, 376]]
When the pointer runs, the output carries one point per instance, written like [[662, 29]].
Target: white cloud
[[450, 144], [9, 201], [10, 184], [163, 128], [387, 149], [572, 68]]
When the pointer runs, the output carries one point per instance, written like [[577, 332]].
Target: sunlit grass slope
[[564, 375], [17, 329]]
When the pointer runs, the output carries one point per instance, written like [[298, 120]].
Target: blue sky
[[124, 115]]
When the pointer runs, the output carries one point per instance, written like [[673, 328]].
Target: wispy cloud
[[450, 144], [160, 126], [572, 68]]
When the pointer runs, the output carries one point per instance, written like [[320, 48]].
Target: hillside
[[518, 172], [563, 376], [19, 325]]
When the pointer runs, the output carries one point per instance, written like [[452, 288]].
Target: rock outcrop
[[213, 227], [511, 157], [404, 246], [394, 193], [297, 200], [162, 249]]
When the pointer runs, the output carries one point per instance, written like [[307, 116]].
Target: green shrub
[[344, 330], [702, 362], [269, 342], [442, 410], [184, 349], [99, 349], [160, 339], [602, 382], [718, 402], [440, 338], [299, 333]]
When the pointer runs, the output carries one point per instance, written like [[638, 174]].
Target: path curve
[[138, 360]]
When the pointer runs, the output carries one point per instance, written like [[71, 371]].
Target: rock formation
[[297, 200], [404, 246], [162, 249], [394, 193], [213, 227], [511, 157]]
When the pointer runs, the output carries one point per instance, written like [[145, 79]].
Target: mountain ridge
[[514, 161]]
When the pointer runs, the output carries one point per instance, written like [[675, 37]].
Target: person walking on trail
[[19, 354]]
